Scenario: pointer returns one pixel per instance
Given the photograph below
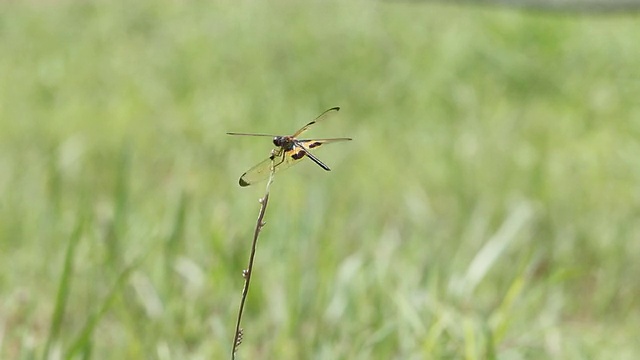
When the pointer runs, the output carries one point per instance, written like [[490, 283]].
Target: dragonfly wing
[[262, 170], [307, 145], [249, 134], [316, 143], [327, 114]]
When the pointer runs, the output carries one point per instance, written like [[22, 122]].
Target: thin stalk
[[246, 273]]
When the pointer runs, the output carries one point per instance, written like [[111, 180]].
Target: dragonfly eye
[[277, 141]]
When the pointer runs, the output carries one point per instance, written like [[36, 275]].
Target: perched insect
[[289, 151]]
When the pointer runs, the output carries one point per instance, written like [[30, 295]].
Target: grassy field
[[488, 207]]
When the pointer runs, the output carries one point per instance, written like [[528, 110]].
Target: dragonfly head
[[280, 141], [285, 142]]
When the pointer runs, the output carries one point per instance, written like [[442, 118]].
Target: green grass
[[488, 206]]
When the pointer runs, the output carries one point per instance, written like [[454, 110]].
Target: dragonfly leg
[[281, 154]]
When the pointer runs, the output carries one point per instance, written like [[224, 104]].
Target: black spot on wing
[[315, 144], [242, 182], [297, 156]]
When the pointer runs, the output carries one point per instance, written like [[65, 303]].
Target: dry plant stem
[[237, 339]]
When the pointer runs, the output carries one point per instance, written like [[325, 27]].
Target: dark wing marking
[[322, 117]]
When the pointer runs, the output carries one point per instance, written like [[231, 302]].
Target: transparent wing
[[249, 134], [285, 159], [281, 161], [327, 114]]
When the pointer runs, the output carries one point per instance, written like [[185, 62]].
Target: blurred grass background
[[487, 208]]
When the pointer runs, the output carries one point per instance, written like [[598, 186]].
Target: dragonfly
[[289, 151]]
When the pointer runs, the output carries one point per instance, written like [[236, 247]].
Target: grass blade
[[63, 288]]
